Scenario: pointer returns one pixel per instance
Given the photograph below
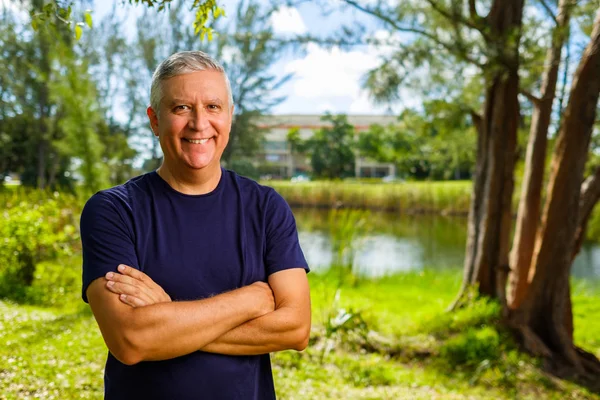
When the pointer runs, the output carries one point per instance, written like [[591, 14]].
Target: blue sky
[[324, 79]]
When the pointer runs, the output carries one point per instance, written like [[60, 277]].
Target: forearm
[[167, 330], [276, 331]]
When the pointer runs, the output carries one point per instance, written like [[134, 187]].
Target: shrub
[[32, 232], [472, 347]]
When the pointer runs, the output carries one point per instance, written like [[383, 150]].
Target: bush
[[56, 283], [32, 232], [472, 347], [244, 168]]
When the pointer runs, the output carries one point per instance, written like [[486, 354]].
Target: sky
[[323, 79]]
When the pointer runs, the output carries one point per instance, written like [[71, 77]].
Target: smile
[[198, 141]]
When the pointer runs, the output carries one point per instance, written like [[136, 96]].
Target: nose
[[198, 120]]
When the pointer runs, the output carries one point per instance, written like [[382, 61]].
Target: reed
[[452, 197]]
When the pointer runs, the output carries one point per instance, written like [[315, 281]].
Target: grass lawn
[[383, 339]]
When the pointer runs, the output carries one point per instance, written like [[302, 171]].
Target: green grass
[[397, 342], [413, 197]]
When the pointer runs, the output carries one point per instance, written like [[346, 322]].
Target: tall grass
[[444, 197], [451, 197]]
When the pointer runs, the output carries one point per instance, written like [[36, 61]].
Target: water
[[395, 243]]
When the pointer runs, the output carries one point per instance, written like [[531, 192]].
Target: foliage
[[54, 13], [472, 347], [44, 346], [331, 149], [341, 326], [49, 113], [244, 168], [57, 12], [438, 144], [346, 227], [33, 232], [408, 197]]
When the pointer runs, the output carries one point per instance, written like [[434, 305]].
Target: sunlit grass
[[58, 353], [413, 197]]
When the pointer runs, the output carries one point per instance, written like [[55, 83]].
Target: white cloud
[[330, 80], [326, 73], [288, 20]]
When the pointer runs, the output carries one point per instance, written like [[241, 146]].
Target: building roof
[[313, 121]]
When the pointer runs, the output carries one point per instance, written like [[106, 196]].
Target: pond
[[385, 243]]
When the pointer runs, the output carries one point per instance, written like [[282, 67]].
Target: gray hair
[[181, 63]]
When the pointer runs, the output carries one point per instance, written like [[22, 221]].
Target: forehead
[[195, 85]]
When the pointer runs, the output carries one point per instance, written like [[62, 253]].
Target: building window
[[272, 157], [275, 145]]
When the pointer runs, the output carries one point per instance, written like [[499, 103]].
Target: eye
[[181, 107], [214, 107]]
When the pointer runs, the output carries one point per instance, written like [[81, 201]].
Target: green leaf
[[34, 24], [88, 18], [78, 31]]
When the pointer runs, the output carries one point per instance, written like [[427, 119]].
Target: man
[[176, 262]]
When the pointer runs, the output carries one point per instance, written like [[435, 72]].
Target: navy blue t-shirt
[[194, 246]]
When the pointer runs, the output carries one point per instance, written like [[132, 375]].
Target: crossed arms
[[139, 322]]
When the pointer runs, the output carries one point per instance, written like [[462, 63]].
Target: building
[[278, 161]]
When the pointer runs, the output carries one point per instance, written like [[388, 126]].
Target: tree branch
[[456, 17], [548, 10], [410, 29], [535, 100], [590, 194], [473, 11]]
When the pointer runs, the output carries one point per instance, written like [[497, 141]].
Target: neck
[[191, 182]]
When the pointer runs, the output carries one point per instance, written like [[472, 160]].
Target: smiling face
[[193, 121]]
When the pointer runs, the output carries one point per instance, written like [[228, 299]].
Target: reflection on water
[[402, 243]]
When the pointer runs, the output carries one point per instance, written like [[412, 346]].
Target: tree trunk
[[590, 193], [486, 260], [531, 192], [43, 101], [544, 317]]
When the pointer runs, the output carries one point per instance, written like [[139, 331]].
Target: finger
[[130, 286], [154, 289], [116, 277], [129, 290], [132, 301], [134, 273]]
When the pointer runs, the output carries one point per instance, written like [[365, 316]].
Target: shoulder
[[249, 187], [118, 200]]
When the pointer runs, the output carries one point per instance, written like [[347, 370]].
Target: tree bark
[[486, 260], [531, 190], [590, 193], [545, 317]]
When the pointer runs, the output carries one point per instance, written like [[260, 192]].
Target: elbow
[[126, 349], [127, 357], [301, 339]]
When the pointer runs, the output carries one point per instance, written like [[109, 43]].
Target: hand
[[135, 288], [262, 296]]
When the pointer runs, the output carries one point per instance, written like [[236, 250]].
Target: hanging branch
[[449, 47], [458, 17], [548, 10]]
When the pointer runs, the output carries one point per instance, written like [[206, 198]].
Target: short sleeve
[[106, 239], [282, 246]]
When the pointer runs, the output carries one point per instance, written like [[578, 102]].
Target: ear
[[153, 117]]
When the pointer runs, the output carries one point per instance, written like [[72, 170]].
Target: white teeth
[[200, 141]]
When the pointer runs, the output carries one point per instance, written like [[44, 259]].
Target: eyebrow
[[213, 100]]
